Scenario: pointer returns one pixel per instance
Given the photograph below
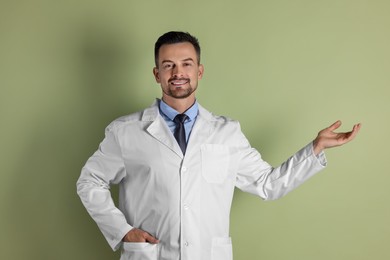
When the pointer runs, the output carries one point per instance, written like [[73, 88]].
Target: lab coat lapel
[[201, 130], [159, 129]]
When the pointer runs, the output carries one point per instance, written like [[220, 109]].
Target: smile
[[179, 82]]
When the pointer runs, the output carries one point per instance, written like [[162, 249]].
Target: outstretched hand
[[327, 138]]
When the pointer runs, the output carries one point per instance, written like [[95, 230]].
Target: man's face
[[178, 71]]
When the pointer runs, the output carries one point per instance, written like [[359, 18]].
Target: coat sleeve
[[259, 178], [103, 168]]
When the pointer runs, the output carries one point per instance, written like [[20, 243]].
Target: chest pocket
[[216, 160]]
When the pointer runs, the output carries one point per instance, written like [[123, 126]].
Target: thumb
[[335, 125]]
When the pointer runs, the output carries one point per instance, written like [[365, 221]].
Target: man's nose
[[177, 71]]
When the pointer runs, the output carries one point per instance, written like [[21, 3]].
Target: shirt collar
[[192, 112]]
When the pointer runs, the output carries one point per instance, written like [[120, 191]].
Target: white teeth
[[179, 82]]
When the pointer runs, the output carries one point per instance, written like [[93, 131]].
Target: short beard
[[188, 92]]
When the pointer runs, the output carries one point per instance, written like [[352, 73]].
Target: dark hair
[[176, 37]]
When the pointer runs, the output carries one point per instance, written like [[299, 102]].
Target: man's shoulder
[[219, 119], [147, 114]]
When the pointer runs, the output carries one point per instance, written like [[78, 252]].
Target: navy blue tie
[[180, 132]]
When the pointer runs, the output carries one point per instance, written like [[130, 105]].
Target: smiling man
[[177, 165], [178, 70]]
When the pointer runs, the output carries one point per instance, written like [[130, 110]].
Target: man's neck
[[180, 105]]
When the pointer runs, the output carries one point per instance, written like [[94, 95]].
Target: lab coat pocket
[[222, 249], [139, 251], [215, 162]]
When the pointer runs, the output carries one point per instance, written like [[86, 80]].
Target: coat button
[[183, 169], [186, 243], [186, 206]]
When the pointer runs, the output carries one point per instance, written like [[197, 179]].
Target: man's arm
[[103, 168], [327, 138], [259, 178]]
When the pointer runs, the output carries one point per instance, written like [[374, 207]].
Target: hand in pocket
[[137, 235]]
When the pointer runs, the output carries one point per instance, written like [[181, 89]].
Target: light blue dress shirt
[[168, 114]]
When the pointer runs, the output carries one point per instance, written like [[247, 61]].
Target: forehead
[[177, 52]]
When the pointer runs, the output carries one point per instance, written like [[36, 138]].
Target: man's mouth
[[179, 82]]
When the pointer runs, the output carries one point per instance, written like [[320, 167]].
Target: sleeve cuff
[[117, 243], [320, 157]]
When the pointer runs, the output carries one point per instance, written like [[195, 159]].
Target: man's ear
[[156, 75], [201, 70]]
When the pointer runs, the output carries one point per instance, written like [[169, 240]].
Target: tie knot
[[180, 118]]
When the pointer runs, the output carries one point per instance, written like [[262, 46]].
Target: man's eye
[[167, 66], [186, 64]]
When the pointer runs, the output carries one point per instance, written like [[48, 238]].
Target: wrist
[[317, 147]]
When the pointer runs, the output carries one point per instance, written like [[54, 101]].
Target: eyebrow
[[188, 59]]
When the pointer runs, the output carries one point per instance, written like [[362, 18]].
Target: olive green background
[[285, 69]]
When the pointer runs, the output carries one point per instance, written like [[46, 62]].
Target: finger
[[151, 239], [335, 125], [349, 136], [358, 126], [355, 130]]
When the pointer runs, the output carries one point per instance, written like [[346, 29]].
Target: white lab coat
[[183, 201]]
